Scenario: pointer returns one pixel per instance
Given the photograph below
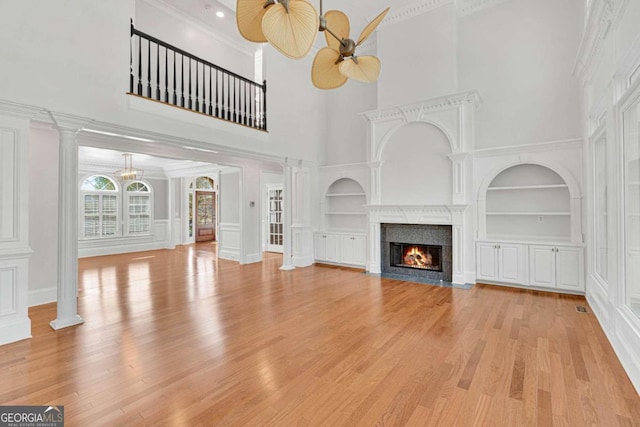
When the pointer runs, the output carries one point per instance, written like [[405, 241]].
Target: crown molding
[[22, 111], [194, 22], [434, 104], [602, 13], [468, 7], [411, 10]]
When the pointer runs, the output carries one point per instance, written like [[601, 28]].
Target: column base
[[287, 267], [65, 323]]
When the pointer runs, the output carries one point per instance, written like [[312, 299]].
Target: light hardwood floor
[[178, 338]]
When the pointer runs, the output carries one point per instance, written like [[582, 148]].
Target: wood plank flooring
[[179, 338]]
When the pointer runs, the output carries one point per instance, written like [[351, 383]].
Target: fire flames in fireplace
[[426, 257], [414, 257]]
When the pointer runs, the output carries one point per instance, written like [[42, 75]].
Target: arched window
[[99, 207], [137, 200], [204, 183]]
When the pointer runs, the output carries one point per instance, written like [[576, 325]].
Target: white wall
[[43, 214], [160, 200], [229, 236], [519, 55], [347, 131], [418, 58], [415, 167]]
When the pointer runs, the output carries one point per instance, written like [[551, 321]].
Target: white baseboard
[[229, 254], [302, 261], [15, 330], [43, 296], [252, 258], [84, 252]]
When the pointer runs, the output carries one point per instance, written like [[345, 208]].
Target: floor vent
[[581, 309]]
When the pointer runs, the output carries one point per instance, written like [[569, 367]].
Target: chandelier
[[129, 173]]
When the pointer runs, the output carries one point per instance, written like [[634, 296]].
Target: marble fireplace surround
[[417, 234], [452, 215]]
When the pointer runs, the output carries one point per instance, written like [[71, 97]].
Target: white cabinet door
[[332, 254], [569, 268], [542, 266], [487, 262], [512, 263], [320, 246], [353, 250]]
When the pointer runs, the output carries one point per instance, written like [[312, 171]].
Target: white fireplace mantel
[[453, 215]]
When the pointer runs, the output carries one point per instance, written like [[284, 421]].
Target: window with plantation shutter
[[99, 207], [138, 208]]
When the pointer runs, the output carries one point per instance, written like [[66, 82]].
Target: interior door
[[205, 216], [274, 219]]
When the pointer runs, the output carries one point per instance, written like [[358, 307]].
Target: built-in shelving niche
[[344, 205], [528, 202]]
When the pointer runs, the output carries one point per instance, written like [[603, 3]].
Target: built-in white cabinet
[[502, 262], [326, 247], [541, 266], [343, 240], [341, 248], [560, 267]]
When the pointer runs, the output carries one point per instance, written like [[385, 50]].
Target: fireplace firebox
[[410, 255]]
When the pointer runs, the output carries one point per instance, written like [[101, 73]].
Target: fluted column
[[287, 200], [67, 312]]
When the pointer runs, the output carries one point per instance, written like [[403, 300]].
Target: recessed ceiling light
[[220, 14]]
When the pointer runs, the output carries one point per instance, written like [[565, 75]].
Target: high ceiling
[[360, 12]]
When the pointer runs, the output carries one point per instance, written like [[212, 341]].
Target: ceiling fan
[[291, 27], [336, 63]]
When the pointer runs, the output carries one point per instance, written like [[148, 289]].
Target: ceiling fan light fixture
[[291, 27], [325, 71]]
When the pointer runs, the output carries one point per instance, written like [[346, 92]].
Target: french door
[[274, 219], [205, 216]]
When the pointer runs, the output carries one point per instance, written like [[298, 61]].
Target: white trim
[[43, 296], [229, 241], [561, 144]]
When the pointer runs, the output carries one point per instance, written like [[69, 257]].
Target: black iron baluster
[[175, 95], [197, 88], [217, 109], [148, 68], [210, 72], [235, 109], [139, 65], [158, 72], [228, 97], [251, 102], [204, 93], [166, 75], [264, 105], [182, 82], [131, 60], [224, 107], [190, 83]]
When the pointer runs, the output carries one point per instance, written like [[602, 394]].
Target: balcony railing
[[167, 74]]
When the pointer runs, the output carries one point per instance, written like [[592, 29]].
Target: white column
[[171, 196], [286, 220], [67, 314]]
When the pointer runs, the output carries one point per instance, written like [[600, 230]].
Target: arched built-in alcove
[[529, 201], [415, 166]]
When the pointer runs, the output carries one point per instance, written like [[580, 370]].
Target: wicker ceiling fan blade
[[325, 72], [366, 69], [338, 24], [249, 14], [293, 32], [371, 27]]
